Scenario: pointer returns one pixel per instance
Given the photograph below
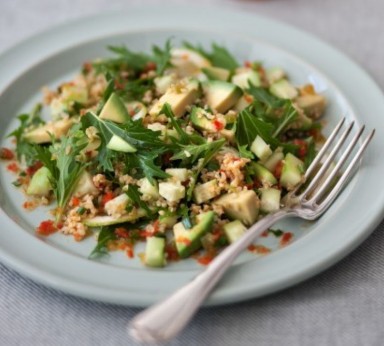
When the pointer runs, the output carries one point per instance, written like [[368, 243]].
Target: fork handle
[[166, 319]]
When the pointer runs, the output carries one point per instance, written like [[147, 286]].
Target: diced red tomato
[[156, 227], [248, 64], [33, 168], [46, 228], [75, 201], [259, 249], [107, 197], [172, 254], [150, 66], [278, 169], [218, 124], [13, 167], [130, 252], [6, 154], [286, 238], [205, 259], [184, 240], [122, 232], [303, 147]]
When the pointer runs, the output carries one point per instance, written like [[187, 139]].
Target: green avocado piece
[[40, 184], [245, 77], [242, 206], [43, 133], [283, 89], [216, 73], [99, 221], [179, 96], [221, 96], [204, 120], [189, 240], [312, 105], [114, 110], [118, 144]]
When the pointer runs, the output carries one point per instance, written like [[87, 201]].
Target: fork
[[309, 201]]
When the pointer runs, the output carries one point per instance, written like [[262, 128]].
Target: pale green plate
[[57, 54]]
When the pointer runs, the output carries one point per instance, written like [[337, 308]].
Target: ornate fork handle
[[167, 318]]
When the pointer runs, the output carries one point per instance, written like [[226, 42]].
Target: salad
[[182, 148]]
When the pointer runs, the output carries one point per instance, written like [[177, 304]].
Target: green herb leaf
[[106, 235], [125, 60], [162, 57], [276, 232], [167, 110], [61, 161], [244, 152], [133, 132], [191, 153], [219, 56], [209, 154], [25, 149], [134, 194], [289, 116], [249, 126]]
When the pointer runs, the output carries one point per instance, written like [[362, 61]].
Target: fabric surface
[[342, 306]]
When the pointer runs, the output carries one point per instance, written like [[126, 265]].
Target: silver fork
[[166, 319]]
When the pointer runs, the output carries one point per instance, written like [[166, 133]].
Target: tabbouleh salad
[[182, 148]]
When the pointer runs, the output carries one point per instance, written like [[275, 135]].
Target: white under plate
[[56, 55]]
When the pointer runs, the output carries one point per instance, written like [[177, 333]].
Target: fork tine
[[324, 149], [320, 174], [348, 173], [325, 185]]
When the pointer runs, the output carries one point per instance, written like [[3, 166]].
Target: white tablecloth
[[342, 306]]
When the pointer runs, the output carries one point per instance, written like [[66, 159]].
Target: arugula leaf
[[167, 110], [262, 95], [25, 149], [279, 112], [61, 161], [191, 153], [106, 234], [209, 154], [143, 163], [126, 59], [249, 126], [135, 89], [311, 152], [162, 57], [289, 116], [244, 152], [132, 132], [197, 48], [219, 56], [110, 88], [148, 166], [134, 195]]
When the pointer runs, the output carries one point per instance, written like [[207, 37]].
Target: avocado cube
[[221, 96], [115, 110], [178, 96], [189, 240], [40, 184], [243, 206]]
